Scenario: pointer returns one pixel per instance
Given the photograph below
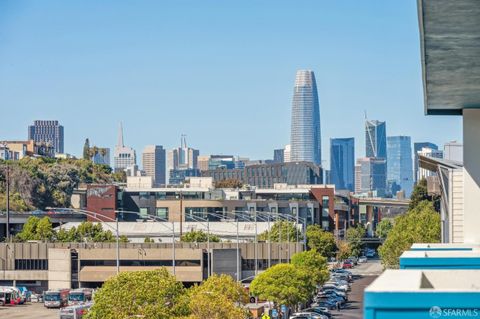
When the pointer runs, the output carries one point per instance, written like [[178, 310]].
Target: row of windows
[[31, 264], [140, 262]]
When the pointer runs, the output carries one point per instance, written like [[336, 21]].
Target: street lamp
[[157, 218], [94, 215]]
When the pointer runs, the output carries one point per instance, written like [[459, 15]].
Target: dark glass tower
[[305, 130], [376, 139], [342, 163]]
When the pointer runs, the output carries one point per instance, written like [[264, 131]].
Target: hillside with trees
[[37, 183]]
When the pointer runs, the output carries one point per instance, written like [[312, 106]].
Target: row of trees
[[290, 284], [156, 294], [37, 183], [41, 229]]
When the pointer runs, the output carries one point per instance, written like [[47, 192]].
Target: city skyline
[[146, 79]]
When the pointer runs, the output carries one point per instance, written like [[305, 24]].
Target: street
[[28, 311]]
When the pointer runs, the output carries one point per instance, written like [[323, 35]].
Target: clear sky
[[221, 72]]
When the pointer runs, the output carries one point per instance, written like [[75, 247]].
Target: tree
[[198, 236], [140, 294], [420, 193], [122, 239], [383, 228], [86, 150], [218, 297], [282, 231], [29, 230], [283, 284], [44, 230], [148, 240], [419, 225], [354, 238], [320, 240], [229, 183], [344, 250], [314, 264]]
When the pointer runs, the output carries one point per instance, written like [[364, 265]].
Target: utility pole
[[181, 214], [8, 202]]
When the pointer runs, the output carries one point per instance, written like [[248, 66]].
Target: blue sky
[[221, 72]]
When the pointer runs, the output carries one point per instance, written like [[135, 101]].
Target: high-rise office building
[[183, 156], [399, 164], [202, 162], [278, 155], [416, 148], [453, 151], [49, 132], [153, 162], [372, 176], [305, 137], [124, 156], [286, 153], [376, 139], [342, 163]]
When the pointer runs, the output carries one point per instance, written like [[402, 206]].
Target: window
[[143, 211], [31, 264], [162, 212]]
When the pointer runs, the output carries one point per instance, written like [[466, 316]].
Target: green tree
[[383, 228], [29, 230], [344, 251], [67, 236], [354, 238], [320, 240], [86, 150], [419, 225], [148, 240], [314, 264], [122, 239], [283, 284], [44, 230], [140, 294], [281, 231], [198, 236], [218, 297], [420, 193]]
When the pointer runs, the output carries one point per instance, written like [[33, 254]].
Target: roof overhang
[[450, 54], [432, 163]]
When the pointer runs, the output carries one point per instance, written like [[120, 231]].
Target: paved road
[[354, 309], [371, 268], [28, 311]]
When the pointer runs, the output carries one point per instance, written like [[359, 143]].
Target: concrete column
[[471, 163]]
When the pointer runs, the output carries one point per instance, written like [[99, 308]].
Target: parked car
[[310, 315], [36, 298], [75, 311], [324, 303], [320, 310], [362, 259], [347, 264], [353, 259]]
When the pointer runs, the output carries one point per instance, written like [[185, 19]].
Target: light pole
[[94, 215], [156, 218]]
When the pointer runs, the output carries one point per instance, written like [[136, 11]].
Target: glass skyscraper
[[399, 168], [342, 163], [376, 139], [305, 130]]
